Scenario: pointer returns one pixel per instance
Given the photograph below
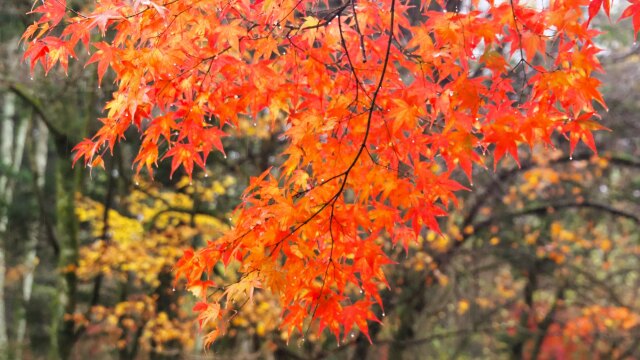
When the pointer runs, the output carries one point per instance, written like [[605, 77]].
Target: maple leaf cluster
[[379, 102]]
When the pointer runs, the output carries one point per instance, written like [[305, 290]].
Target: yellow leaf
[[310, 22]]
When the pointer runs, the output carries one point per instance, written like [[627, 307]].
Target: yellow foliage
[[143, 239], [441, 243], [128, 247], [484, 303], [443, 279], [261, 315], [602, 162], [455, 233], [463, 306], [261, 328], [606, 245], [505, 285], [531, 238], [164, 330]]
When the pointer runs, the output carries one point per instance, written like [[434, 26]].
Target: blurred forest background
[[540, 261]]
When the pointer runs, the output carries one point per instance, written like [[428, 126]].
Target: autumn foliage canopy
[[378, 103]]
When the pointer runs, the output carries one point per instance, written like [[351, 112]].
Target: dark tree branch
[[61, 140]]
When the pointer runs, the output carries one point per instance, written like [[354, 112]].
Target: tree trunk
[[63, 332], [11, 151], [6, 144], [39, 143]]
